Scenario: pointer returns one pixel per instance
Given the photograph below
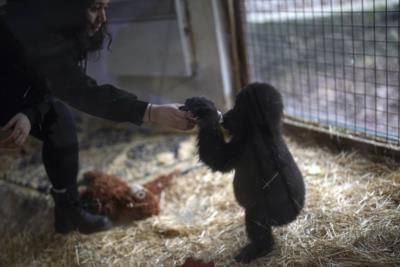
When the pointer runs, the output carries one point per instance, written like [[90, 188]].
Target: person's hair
[[96, 41], [99, 38], [70, 18]]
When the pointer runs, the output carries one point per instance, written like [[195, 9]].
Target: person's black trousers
[[60, 150]]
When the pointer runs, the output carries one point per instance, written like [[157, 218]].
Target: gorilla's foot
[[253, 251]]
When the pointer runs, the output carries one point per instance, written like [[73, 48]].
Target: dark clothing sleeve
[[33, 115], [36, 110], [69, 82], [22, 89]]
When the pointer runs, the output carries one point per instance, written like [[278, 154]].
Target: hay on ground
[[351, 218]]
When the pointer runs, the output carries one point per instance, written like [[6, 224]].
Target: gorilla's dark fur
[[267, 183]]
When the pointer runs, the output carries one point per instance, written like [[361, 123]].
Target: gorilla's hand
[[203, 110]]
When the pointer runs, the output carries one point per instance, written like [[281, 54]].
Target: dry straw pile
[[351, 218]]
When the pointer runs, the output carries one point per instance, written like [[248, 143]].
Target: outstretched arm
[[213, 150], [71, 84]]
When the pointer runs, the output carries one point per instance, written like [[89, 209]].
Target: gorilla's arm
[[213, 150]]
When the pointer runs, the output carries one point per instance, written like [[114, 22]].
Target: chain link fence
[[336, 62]]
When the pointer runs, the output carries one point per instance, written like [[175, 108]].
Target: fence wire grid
[[336, 62]]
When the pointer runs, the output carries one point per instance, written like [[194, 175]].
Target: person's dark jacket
[[21, 88], [56, 55]]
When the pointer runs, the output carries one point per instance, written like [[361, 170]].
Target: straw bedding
[[351, 216]]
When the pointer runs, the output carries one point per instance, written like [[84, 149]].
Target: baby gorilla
[[267, 182]]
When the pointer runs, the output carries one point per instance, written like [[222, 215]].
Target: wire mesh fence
[[336, 62]]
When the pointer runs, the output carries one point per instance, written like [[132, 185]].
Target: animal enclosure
[[336, 62], [325, 57]]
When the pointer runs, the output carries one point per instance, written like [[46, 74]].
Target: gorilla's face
[[257, 103]]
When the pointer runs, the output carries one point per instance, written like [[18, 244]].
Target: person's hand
[[169, 115], [19, 127]]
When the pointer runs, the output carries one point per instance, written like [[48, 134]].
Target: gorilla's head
[[257, 103]]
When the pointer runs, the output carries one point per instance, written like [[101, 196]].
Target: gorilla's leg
[[259, 233]]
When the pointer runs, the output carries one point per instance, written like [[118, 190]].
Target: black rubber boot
[[69, 216]]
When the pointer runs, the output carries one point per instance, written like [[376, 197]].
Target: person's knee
[[59, 111], [60, 124]]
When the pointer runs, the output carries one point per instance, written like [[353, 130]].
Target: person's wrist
[[154, 113], [150, 114], [147, 113]]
